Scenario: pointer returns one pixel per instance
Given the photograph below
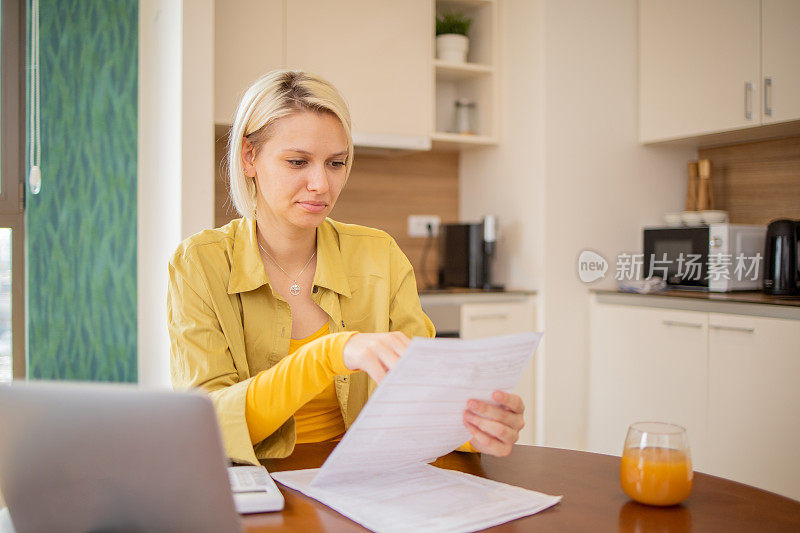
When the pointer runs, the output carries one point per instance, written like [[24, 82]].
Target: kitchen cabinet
[[476, 315], [647, 364], [732, 380], [698, 67], [780, 43], [248, 42], [378, 55], [711, 66], [493, 319], [754, 401]]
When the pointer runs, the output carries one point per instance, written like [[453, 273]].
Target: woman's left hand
[[495, 428]]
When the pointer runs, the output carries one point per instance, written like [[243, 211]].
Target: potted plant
[[452, 42]]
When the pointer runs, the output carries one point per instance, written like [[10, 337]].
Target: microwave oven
[[717, 257]]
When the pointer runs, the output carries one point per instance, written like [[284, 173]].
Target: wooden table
[[593, 499]]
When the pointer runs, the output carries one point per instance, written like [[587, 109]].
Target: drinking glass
[[656, 467]]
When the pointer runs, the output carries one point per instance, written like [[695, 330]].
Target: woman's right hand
[[374, 353]]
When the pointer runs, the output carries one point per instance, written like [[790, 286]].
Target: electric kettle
[[781, 261]]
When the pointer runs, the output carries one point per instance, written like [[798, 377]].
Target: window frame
[[13, 35]]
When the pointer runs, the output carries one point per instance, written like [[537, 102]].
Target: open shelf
[[475, 80], [446, 71]]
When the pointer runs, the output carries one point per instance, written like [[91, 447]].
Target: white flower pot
[[452, 47]]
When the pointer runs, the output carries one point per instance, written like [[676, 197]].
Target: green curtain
[[81, 227]]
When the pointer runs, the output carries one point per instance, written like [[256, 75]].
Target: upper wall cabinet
[[248, 41], [780, 67], [377, 54], [703, 69], [698, 67]]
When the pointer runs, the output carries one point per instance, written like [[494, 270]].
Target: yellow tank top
[[321, 418]]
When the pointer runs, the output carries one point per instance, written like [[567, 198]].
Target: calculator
[[253, 489]]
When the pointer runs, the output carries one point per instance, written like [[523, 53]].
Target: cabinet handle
[[489, 316], [684, 324], [748, 101], [768, 97], [732, 328]]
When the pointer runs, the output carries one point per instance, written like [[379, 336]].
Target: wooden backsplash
[[756, 182], [381, 192]]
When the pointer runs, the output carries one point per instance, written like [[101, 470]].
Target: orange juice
[[656, 476]]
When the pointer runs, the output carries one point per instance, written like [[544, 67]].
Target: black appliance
[[781, 261], [465, 254]]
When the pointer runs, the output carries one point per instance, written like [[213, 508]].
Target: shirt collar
[[247, 270]]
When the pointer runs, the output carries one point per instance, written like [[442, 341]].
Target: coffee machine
[[782, 257], [465, 254]]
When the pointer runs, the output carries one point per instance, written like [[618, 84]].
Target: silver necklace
[[294, 288]]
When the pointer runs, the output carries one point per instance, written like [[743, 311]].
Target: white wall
[[508, 180], [175, 175], [197, 154], [571, 172]]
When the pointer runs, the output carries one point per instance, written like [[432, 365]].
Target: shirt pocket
[[367, 309]]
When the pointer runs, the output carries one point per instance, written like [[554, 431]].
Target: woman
[[284, 315]]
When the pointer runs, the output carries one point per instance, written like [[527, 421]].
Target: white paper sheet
[[422, 498], [378, 475]]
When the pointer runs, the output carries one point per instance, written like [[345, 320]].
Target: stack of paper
[[378, 475]]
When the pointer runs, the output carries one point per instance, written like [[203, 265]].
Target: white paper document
[[378, 474]]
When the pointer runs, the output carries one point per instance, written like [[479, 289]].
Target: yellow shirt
[[226, 324], [311, 398], [280, 392], [321, 418]]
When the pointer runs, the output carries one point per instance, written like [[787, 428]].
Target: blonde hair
[[275, 95]]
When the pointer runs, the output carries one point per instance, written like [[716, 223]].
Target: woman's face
[[300, 170]]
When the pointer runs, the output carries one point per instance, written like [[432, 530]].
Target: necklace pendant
[[294, 289]]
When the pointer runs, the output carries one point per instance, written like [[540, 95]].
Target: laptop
[[89, 457]]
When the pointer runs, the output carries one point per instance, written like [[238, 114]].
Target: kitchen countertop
[[466, 290], [753, 303], [750, 297], [461, 296]]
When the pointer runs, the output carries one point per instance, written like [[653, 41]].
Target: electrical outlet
[[418, 225]]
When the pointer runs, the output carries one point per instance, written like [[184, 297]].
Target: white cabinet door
[[504, 318], [492, 319], [696, 58], [780, 41], [754, 401], [248, 42], [646, 364], [378, 54]]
